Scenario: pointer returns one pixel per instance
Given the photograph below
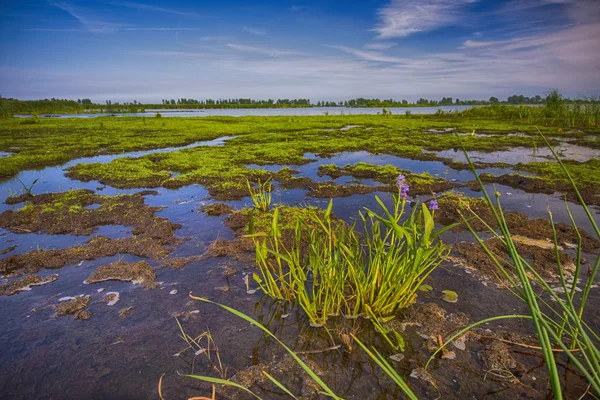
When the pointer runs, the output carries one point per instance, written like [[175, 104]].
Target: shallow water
[[517, 155], [112, 357], [242, 112]]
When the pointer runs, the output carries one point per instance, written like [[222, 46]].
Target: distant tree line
[[10, 106]]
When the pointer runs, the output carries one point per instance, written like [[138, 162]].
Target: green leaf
[[425, 288], [450, 296]]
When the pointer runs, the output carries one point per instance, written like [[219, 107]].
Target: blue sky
[[322, 50]]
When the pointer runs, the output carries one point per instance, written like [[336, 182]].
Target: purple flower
[[433, 204], [404, 190], [400, 180]]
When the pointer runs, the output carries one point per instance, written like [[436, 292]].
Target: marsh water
[[115, 357], [261, 112]]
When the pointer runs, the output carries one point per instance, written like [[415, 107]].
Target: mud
[[543, 260], [139, 273], [429, 321], [75, 307], [451, 209], [65, 213], [238, 248], [61, 213], [530, 184], [216, 209], [25, 284], [178, 262], [8, 249], [284, 370], [97, 247]]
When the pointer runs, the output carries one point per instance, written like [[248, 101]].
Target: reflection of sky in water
[[518, 155]]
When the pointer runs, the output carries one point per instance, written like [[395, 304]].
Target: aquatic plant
[[559, 325], [261, 195], [330, 269], [28, 189]]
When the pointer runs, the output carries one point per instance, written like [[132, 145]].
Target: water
[[517, 155], [242, 112], [113, 357]]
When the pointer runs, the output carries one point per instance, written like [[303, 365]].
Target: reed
[[558, 324]]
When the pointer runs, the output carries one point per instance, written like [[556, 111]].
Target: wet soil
[[97, 247], [140, 273], [453, 207], [60, 213], [216, 209], [542, 259], [25, 284], [589, 193], [75, 307]]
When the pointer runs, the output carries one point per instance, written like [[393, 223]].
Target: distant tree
[[494, 100]]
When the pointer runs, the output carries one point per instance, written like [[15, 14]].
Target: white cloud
[[379, 46], [271, 52], [147, 7], [404, 17], [255, 31], [90, 23]]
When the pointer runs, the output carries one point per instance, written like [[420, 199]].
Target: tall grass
[[583, 112], [559, 324]]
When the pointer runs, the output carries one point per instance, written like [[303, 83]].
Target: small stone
[[397, 357], [174, 291]]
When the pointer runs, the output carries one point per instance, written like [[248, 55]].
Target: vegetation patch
[[139, 273], [75, 306], [216, 209], [25, 284], [422, 183]]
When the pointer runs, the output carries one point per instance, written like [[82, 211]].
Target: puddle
[[5, 154]]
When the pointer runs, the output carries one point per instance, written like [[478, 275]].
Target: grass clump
[[329, 269]]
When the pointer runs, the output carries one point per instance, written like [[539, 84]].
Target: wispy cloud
[[255, 31], [379, 46], [147, 7], [271, 52], [91, 24], [401, 18], [370, 55]]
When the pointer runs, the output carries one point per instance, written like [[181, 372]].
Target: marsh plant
[[560, 324], [331, 269], [261, 195]]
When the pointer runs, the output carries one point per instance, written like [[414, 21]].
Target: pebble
[[173, 291]]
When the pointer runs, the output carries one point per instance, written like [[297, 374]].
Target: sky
[[317, 49]]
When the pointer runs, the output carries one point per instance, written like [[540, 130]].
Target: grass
[[52, 141], [560, 324], [330, 269]]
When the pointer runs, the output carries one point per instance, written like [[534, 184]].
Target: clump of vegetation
[[330, 270], [261, 195]]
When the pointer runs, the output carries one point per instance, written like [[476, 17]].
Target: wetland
[[108, 224]]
